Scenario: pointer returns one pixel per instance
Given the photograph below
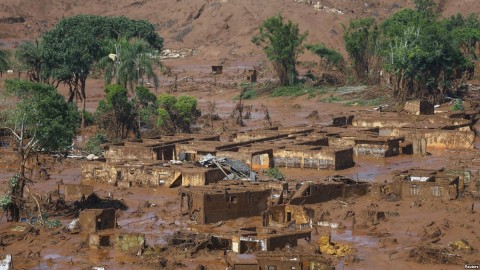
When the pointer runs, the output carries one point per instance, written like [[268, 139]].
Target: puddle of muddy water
[[363, 244]]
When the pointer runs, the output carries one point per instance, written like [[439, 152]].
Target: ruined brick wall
[[360, 189], [308, 159], [317, 193], [441, 139], [93, 220], [118, 153], [344, 159], [280, 241], [113, 174], [225, 206], [75, 192], [428, 190], [201, 176]]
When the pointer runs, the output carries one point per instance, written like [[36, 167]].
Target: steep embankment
[[215, 28]]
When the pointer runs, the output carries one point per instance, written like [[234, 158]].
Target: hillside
[[216, 29]]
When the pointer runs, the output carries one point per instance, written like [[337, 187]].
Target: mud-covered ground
[[155, 212]]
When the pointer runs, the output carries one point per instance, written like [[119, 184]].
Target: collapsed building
[[249, 240], [278, 260], [421, 184], [311, 192], [216, 203]]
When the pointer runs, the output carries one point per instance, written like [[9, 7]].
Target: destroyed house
[[287, 215], [248, 240], [432, 184], [278, 261], [93, 220], [152, 174], [75, 192], [216, 203], [310, 192]]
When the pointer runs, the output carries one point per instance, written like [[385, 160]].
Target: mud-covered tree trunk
[[84, 98], [17, 190]]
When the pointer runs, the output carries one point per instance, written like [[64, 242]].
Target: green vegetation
[[147, 108], [177, 114], [30, 59], [361, 40], [331, 99], [458, 106], [93, 144], [248, 91], [116, 115], [282, 42], [297, 90], [74, 45], [41, 121], [332, 57], [274, 173], [128, 62], [420, 56], [4, 60]]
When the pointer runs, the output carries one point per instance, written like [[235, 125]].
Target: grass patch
[[248, 91], [298, 90], [331, 99]]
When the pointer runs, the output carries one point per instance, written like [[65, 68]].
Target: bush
[[458, 106], [89, 118], [248, 91], [93, 144], [274, 173]]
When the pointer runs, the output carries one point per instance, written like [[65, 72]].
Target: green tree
[[4, 60], [330, 56], [420, 56], [40, 120], [425, 6], [177, 115], [282, 42], [146, 106], [361, 42], [93, 144], [129, 61], [75, 44], [116, 114], [31, 59]]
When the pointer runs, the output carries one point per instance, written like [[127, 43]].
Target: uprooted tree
[[282, 42], [40, 121]]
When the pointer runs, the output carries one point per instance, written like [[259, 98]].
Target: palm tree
[[4, 60], [129, 62]]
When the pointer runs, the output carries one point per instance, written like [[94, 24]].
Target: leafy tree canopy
[[41, 114], [116, 114], [177, 115], [281, 41]]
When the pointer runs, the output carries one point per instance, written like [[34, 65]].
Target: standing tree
[[177, 115], [281, 43], [361, 38], [30, 58], [116, 114], [128, 62], [74, 45], [4, 60], [421, 55], [40, 120]]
